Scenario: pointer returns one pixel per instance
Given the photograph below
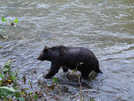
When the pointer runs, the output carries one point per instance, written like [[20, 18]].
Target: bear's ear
[[45, 49]]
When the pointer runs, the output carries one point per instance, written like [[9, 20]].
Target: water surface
[[105, 27]]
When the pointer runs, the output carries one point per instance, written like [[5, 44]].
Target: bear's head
[[44, 55]]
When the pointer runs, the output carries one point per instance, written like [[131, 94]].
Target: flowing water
[[104, 26]]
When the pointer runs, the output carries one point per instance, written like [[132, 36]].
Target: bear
[[79, 58]]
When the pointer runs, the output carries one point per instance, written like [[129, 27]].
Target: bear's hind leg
[[84, 75], [65, 69]]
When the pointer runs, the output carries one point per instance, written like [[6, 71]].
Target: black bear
[[79, 58]]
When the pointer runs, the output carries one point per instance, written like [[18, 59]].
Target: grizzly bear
[[79, 58]]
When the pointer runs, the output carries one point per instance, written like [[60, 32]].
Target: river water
[[104, 26]]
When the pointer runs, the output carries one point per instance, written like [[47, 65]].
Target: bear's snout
[[40, 58]]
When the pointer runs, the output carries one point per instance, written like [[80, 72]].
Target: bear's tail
[[97, 69]]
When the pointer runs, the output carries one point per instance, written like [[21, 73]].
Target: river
[[104, 26]]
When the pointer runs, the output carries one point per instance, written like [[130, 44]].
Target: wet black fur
[[66, 58]]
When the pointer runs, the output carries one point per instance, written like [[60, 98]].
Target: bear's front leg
[[53, 70]]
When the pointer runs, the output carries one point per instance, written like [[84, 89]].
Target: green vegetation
[[16, 20], [4, 19], [92, 99], [9, 88], [55, 80], [8, 22], [7, 77]]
